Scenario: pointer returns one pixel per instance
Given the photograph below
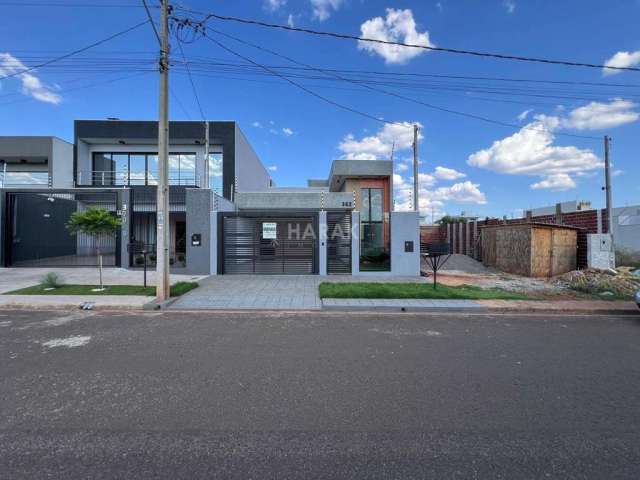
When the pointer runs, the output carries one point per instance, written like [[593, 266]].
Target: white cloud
[[273, 168], [290, 21], [398, 26], [287, 131], [273, 5], [32, 86], [598, 116], [432, 201], [439, 6], [465, 192], [444, 173], [530, 151], [509, 5], [556, 183], [523, 116], [322, 9], [396, 136], [402, 167], [256, 124], [621, 60]]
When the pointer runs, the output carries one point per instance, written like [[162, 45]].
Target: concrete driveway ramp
[[254, 292]]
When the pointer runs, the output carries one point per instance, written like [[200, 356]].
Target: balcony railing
[[111, 178], [24, 179]]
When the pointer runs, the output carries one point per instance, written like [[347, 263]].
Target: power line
[[301, 87], [193, 85], [153, 25], [82, 87], [393, 94], [343, 36], [75, 52], [70, 5]]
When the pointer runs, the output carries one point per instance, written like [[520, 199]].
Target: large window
[[374, 231], [141, 169]]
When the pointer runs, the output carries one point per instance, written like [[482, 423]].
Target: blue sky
[[484, 169]]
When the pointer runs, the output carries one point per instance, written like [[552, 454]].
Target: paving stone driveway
[[278, 292]]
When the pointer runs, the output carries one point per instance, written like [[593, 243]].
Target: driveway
[[277, 292]]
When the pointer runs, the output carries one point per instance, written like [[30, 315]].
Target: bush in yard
[[627, 258], [96, 223], [52, 280]]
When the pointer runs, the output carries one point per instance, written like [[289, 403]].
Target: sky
[[467, 163]]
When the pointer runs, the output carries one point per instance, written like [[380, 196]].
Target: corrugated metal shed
[[530, 249]]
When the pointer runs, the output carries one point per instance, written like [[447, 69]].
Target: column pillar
[[322, 243], [355, 243]]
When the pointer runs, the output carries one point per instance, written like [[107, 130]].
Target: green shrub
[[52, 280]]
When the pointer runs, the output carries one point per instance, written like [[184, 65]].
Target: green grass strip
[[177, 289], [414, 290]]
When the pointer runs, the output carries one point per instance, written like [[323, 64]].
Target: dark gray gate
[[246, 250], [339, 242]]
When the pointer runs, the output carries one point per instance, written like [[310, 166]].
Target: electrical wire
[[343, 36], [75, 52], [393, 94], [303, 88], [193, 85]]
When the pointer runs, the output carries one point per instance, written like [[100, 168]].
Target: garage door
[[269, 245]]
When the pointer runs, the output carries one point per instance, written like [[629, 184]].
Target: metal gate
[[339, 242], [36, 233], [265, 245]]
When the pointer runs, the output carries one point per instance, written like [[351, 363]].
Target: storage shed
[[530, 249]]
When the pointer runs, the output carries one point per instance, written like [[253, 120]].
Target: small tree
[[96, 223]]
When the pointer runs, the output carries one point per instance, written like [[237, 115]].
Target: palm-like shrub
[[96, 223]]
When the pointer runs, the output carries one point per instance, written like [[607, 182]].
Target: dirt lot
[[461, 270], [589, 283]]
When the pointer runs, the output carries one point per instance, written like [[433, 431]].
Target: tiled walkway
[[278, 292]]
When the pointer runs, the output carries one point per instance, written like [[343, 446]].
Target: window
[[374, 231], [215, 172], [141, 169]]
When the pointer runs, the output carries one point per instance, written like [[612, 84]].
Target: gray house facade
[[225, 217]]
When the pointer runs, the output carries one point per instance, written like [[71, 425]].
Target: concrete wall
[[355, 243], [405, 227], [198, 207], [252, 176], [61, 164], [626, 228], [124, 207], [293, 200]]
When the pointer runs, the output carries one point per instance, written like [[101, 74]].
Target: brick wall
[[586, 221]]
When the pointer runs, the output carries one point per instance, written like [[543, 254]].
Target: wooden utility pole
[[416, 207], [162, 207], [607, 184]]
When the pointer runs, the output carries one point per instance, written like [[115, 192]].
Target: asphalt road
[[318, 395]]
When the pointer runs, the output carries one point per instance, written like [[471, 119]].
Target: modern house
[[226, 217]]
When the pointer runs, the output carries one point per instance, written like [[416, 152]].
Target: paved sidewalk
[[522, 306], [34, 302], [267, 292], [16, 278], [391, 304]]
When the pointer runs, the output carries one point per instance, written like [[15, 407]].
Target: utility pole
[[607, 187], [162, 207], [207, 181], [415, 168]]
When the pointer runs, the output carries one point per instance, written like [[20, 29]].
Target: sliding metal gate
[[339, 242], [265, 245]]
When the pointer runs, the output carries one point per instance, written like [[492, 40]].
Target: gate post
[[322, 243], [355, 243]]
